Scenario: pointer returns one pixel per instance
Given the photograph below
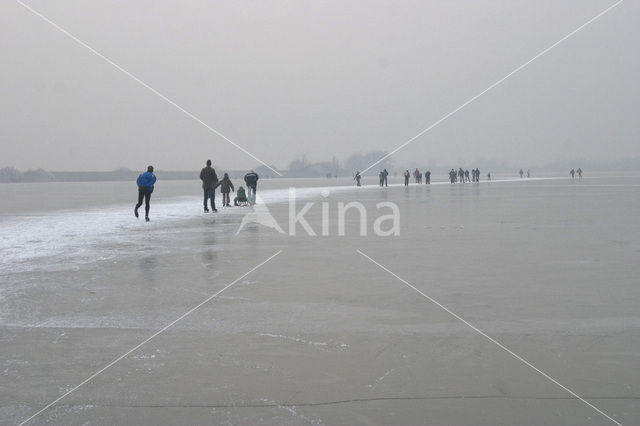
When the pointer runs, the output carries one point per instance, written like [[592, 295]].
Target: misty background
[[318, 82]]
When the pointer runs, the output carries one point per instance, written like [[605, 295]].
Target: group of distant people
[[462, 176], [210, 183], [382, 175], [417, 175], [573, 172]]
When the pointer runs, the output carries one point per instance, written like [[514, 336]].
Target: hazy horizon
[[325, 79], [560, 164]]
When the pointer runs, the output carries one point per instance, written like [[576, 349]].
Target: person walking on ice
[[406, 177], [357, 177], [145, 183], [579, 173], [225, 186]]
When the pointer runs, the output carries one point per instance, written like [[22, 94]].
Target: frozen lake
[[320, 334]]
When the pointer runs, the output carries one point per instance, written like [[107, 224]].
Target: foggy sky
[[329, 78]]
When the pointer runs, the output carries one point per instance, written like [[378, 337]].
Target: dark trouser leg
[[206, 196], [213, 198], [147, 200], [140, 198]]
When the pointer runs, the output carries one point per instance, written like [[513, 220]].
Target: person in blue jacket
[[145, 183]]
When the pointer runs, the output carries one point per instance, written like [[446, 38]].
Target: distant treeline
[[300, 167], [11, 174]]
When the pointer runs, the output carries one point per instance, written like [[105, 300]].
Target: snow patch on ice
[[295, 339], [380, 379]]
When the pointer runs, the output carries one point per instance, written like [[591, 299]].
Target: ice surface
[[24, 239], [320, 335]]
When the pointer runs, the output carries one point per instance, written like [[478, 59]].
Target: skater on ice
[[145, 183]]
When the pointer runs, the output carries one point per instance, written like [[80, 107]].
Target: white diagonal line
[[495, 84], [149, 338], [142, 83], [491, 339]]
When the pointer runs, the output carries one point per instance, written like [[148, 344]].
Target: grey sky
[[321, 78]]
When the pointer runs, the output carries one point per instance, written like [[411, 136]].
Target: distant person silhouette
[[521, 173], [427, 177], [357, 178], [145, 183], [385, 173], [528, 173], [406, 177], [572, 173], [579, 173], [489, 176], [209, 180]]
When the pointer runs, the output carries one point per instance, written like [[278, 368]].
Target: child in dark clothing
[[225, 187]]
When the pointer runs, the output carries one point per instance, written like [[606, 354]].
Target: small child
[[241, 197], [225, 186]]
